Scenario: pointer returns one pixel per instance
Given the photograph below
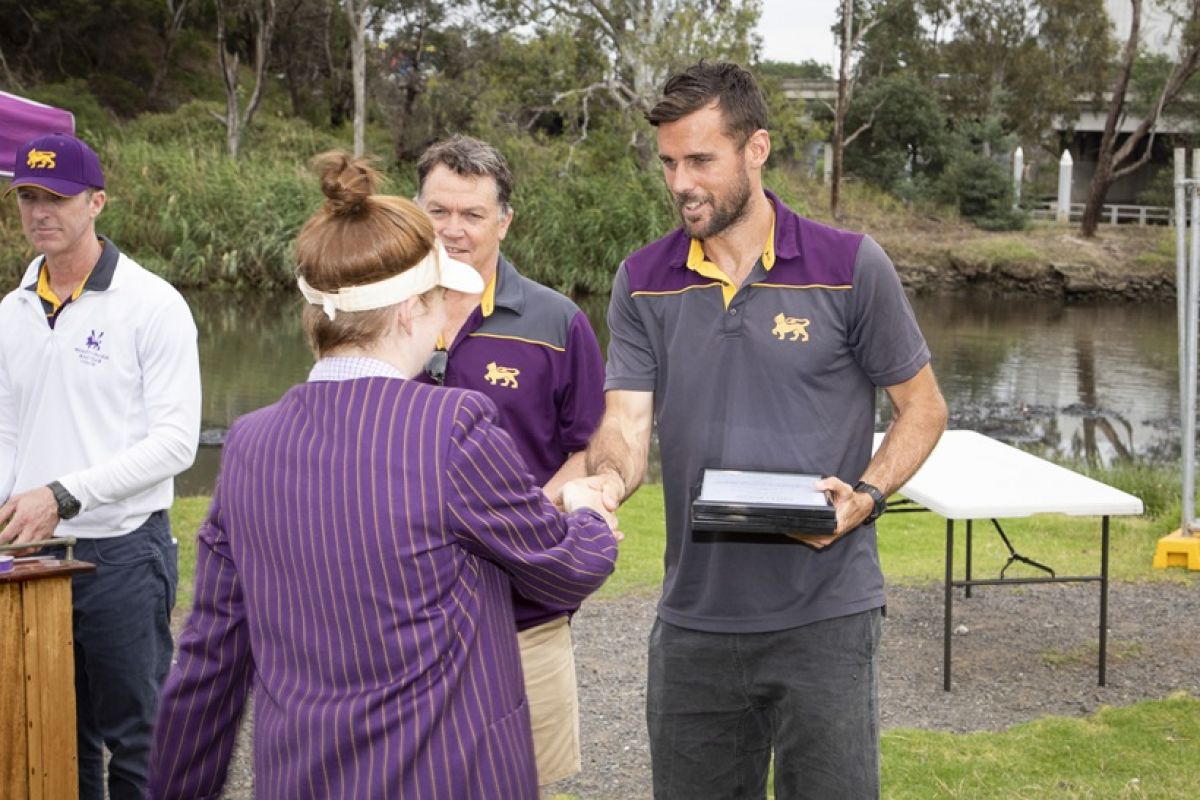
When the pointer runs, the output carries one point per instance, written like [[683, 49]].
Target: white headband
[[435, 269]]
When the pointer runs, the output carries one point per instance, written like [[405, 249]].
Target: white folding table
[[969, 476]]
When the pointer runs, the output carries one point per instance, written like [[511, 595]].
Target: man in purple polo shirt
[[533, 352], [756, 339]]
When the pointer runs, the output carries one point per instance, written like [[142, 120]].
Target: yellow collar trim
[[487, 303], [768, 257], [46, 293], [697, 262]]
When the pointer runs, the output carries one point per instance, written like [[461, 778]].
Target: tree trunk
[[1098, 189], [236, 120], [228, 62], [839, 148], [359, 73], [1102, 178], [176, 9], [843, 105], [1115, 162]]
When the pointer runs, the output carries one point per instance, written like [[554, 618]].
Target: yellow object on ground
[[1178, 549]]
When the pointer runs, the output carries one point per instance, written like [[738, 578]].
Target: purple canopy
[[21, 120]]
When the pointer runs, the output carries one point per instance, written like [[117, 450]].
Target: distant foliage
[[202, 220], [982, 188], [908, 134]]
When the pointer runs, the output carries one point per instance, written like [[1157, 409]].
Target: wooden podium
[[38, 760]]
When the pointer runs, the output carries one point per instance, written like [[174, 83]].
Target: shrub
[[983, 191]]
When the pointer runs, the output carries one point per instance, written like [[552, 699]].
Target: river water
[[1096, 381]]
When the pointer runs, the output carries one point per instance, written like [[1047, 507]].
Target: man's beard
[[723, 216]]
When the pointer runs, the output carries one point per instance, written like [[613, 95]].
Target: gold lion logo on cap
[[41, 159], [504, 376]]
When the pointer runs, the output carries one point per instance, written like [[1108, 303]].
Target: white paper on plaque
[[738, 487]]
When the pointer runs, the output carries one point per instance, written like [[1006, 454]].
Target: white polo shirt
[[107, 401]]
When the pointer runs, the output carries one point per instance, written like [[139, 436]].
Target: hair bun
[[347, 182]]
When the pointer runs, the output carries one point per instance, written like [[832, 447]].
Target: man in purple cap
[[99, 410]]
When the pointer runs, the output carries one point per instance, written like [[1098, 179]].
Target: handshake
[[601, 493]]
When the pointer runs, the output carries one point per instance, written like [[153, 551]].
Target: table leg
[[1103, 599], [968, 560], [949, 604]]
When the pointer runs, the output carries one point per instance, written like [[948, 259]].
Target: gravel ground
[[1020, 653]]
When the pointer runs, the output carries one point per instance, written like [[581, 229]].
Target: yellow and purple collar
[[46, 293], [697, 262]]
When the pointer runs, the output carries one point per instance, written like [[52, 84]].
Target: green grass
[[1001, 250], [186, 516], [1147, 750], [911, 546]]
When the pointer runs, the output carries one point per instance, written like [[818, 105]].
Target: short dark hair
[[469, 157], [741, 102]]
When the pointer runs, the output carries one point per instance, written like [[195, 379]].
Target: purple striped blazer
[[356, 569]]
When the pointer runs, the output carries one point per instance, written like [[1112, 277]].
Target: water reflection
[[1096, 382]]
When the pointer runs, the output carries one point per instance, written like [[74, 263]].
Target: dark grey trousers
[[122, 653], [718, 705]]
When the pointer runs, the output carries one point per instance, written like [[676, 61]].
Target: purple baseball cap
[[58, 163]]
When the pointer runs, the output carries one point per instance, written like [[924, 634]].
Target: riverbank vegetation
[[202, 220], [560, 88]]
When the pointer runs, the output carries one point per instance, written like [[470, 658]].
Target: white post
[[1018, 171], [1183, 320], [1063, 211], [1193, 325], [827, 165]]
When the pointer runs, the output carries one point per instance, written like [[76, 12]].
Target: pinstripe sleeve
[[552, 558], [202, 701]]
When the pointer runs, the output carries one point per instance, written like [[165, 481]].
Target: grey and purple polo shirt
[[534, 353], [778, 374]]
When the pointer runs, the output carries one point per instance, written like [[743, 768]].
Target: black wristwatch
[[68, 505], [876, 496]]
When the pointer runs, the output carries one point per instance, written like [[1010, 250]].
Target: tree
[[908, 138], [647, 40], [169, 28], [850, 39], [311, 49], [258, 25], [1117, 157], [1002, 52], [356, 15]]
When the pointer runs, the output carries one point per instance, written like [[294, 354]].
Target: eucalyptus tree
[[858, 17], [1023, 63], [644, 41], [253, 26], [1119, 156], [312, 53], [170, 27]]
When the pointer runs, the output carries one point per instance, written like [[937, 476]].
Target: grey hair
[[469, 157]]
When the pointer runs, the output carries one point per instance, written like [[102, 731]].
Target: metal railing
[[1113, 213]]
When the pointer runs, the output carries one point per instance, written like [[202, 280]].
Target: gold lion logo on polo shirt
[[502, 376], [41, 159], [795, 327]]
